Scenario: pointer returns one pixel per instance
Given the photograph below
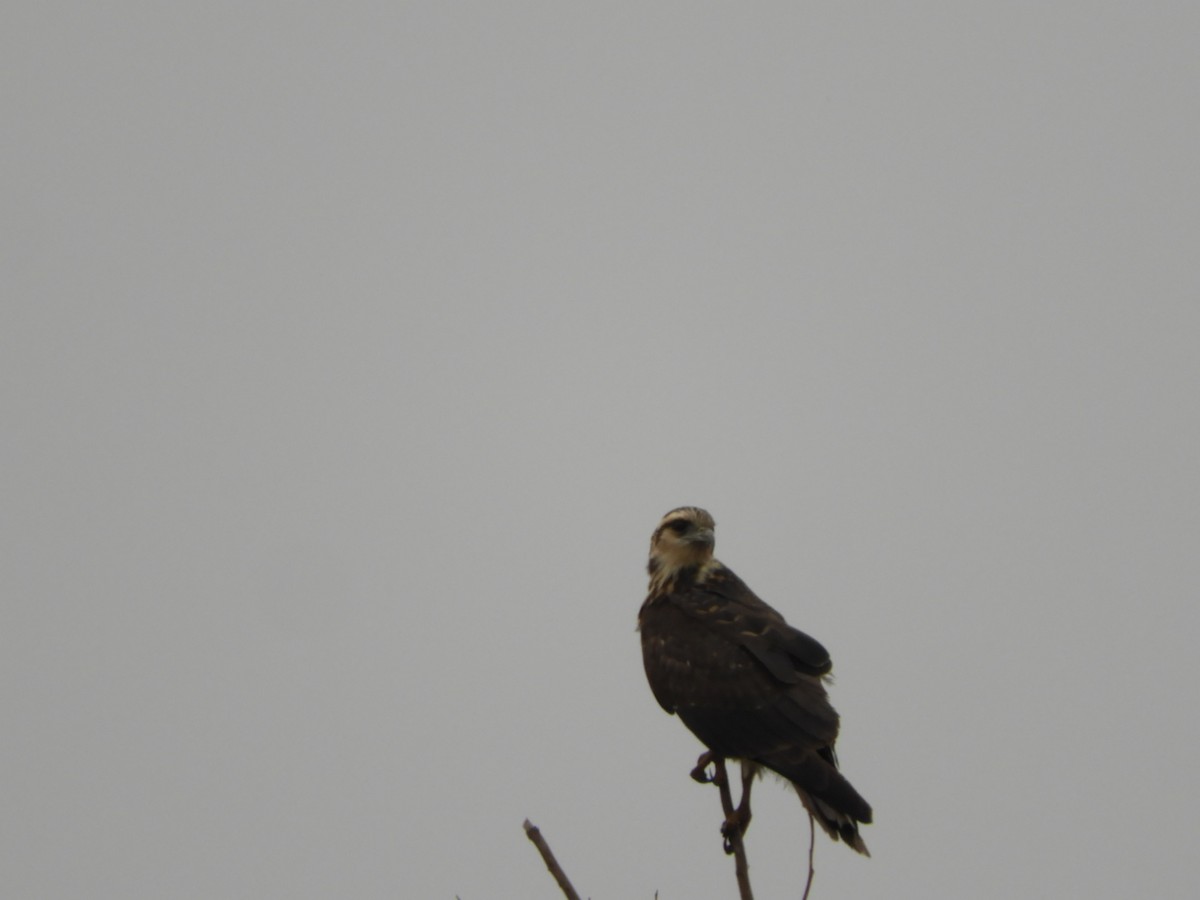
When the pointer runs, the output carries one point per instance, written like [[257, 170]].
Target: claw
[[735, 826], [700, 773], [738, 821]]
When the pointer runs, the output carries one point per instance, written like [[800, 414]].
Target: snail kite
[[747, 684]]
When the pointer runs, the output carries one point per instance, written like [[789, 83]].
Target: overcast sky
[[351, 352]]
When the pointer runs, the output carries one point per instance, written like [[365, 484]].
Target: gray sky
[[351, 352]]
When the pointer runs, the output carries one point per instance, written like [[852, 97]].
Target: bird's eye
[[679, 526]]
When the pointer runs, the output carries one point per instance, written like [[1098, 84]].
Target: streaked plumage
[[747, 684]]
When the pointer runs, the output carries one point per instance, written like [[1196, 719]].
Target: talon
[[700, 773], [735, 826], [732, 828]]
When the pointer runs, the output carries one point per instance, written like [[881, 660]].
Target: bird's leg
[[749, 770], [700, 773], [738, 820], [730, 829]]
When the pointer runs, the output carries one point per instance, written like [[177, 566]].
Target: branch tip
[[535, 836]]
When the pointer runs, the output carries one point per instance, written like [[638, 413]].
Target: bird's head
[[682, 542]]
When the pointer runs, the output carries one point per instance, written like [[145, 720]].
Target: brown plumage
[[747, 684]]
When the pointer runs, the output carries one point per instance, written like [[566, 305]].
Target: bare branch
[[732, 830], [812, 843], [535, 834]]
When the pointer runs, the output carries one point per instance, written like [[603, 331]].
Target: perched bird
[[747, 684]]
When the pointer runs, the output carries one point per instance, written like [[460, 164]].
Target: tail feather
[[837, 825], [826, 794], [820, 778]]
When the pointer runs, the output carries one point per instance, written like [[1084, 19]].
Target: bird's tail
[[826, 793], [837, 825]]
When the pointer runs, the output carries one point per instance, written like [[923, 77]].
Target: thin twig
[[812, 843], [535, 834], [733, 837]]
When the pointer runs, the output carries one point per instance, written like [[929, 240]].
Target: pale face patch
[[683, 540]]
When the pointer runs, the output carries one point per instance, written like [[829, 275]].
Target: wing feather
[[732, 610]]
